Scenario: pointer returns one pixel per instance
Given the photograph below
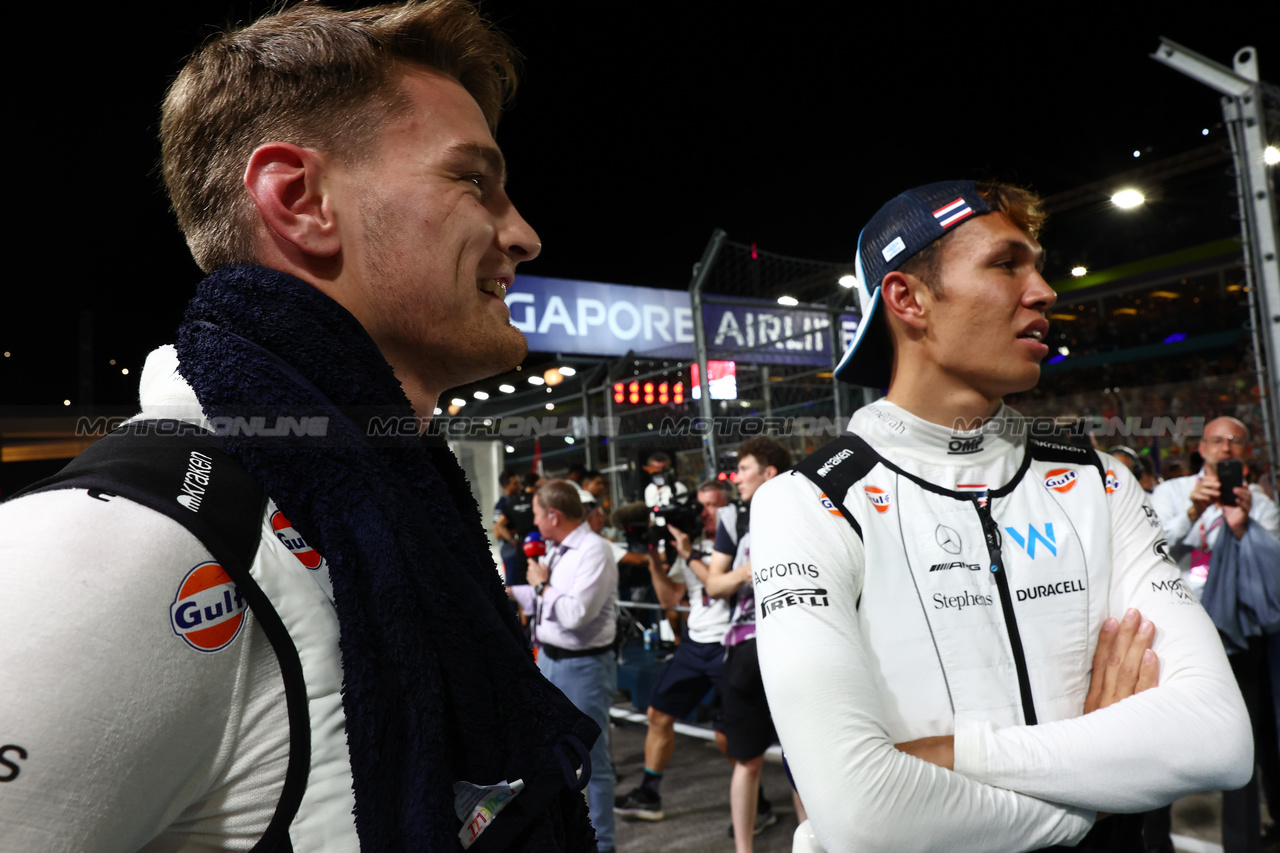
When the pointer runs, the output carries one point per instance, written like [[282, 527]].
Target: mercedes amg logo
[[948, 539]]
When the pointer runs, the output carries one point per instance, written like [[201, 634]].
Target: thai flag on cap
[[950, 214]]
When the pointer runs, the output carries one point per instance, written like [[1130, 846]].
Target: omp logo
[[827, 504], [791, 597], [834, 461], [1061, 480], [293, 540], [196, 480], [965, 445], [208, 611], [1113, 482], [1028, 542], [879, 498], [946, 567]]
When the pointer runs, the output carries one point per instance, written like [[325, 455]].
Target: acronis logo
[[208, 610]]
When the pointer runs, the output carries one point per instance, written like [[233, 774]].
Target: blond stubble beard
[[434, 351]]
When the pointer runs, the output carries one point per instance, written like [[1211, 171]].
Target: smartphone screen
[[1231, 474]]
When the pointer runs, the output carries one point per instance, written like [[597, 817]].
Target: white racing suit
[[955, 583]]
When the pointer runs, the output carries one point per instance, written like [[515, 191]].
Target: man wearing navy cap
[[962, 652]]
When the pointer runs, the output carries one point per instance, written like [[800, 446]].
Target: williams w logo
[[1028, 543]]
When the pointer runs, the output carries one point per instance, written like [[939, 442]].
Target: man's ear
[[906, 298], [285, 183]]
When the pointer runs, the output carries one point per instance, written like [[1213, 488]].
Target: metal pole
[[700, 272], [614, 492], [764, 385], [833, 333], [1243, 111]]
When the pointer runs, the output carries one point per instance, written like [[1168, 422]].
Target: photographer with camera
[[1195, 513], [698, 662], [661, 487]]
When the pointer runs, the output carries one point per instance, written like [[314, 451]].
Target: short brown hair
[[766, 452], [562, 496], [315, 77], [1022, 206]]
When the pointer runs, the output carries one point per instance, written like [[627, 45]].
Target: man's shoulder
[[1174, 489]]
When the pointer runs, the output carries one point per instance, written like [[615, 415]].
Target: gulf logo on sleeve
[[879, 498], [293, 540], [1113, 482], [208, 611], [1061, 480], [828, 505]]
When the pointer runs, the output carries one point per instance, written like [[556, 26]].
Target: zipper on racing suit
[[992, 533]]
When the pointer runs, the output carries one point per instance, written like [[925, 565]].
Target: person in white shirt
[[1195, 520], [958, 625], [572, 598]]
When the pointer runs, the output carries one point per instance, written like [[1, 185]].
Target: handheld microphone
[[534, 546]]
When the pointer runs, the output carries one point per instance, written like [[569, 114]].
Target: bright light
[[438, 410], [454, 409], [507, 389], [481, 395], [568, 439], [1204, 132], [1064, 351], [1137, 154], [536, 380], [553, 376], [124, 371], [510, 449], [66, 402], [568, 371], [1079, 271], [1271, 155], [848, 280], [789, 301], [458, 401], [1126, 199], [551, 407]]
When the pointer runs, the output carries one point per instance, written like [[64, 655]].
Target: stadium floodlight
[[568, 371], [1271, 155], [789, 301], [848, 280], [1127, 199], [507, 389], [1079, 271], [481, 395], [458, 401]]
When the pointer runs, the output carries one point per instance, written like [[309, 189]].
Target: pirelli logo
[[791, 597]]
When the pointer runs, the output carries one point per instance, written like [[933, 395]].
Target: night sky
[[638, 129]]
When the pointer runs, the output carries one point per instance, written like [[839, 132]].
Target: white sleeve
[[822, 682], [121, 723], [1190, 733], [1171, 506]]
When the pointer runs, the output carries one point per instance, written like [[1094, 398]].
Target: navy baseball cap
[[899, 230]]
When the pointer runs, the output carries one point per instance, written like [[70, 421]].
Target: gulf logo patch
[[293, 540], [828, 505], [879, 498], [1061, 480], [208, 611], [1113, 482]]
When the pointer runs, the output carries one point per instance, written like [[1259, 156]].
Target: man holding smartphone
[[1195, 511]]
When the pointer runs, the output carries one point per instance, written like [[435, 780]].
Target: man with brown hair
[[745, 729], [308, 647], [959, 624]]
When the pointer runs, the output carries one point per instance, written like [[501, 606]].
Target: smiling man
[[971, 663], [288, 633]]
